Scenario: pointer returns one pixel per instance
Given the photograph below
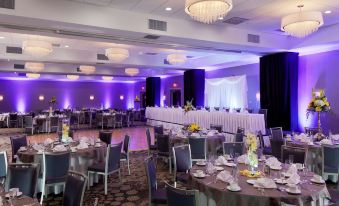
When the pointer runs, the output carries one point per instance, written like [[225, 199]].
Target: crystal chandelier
[[34, 67], [207, 11], [132, 71], [302, 24], [176, 58], [87, 69], [117, 54], [32, 75], [37, 48], [72, 77], [107, 78]]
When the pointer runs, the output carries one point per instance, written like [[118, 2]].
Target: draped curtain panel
[[228, 92], [279, 89], [194, 86], [153, 85]]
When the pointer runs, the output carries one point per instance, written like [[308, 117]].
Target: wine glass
[[290, 159]]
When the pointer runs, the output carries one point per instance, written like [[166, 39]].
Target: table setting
[[14, 197]]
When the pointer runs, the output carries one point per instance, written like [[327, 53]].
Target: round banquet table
[[19, 201], [215, 193]]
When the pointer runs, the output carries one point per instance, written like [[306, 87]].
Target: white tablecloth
[[175, 117]]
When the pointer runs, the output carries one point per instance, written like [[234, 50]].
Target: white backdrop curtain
[[228, 92]]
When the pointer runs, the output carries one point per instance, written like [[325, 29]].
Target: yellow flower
[[318, 109]]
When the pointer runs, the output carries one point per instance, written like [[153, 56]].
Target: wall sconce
[[1, 98], [41, 98], [257, 96], [164, 97], [91, 97], [142, 88], [174, 85], [121, 97]]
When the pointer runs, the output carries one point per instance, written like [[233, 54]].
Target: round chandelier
[[132, 71], [302, 24], [34, 67], [107, 78], [32, 75], [87, 69], [37, 48], [72, 77], [176, 58], [117, 54], [208, 11]]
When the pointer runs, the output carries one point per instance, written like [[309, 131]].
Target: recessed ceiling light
[[2, 37], [66, 46], [221, 18], [168, 9], [328, 12]]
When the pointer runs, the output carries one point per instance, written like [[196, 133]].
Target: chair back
[[74, 189], [216, 108], [277, 133], [28, 121], [331, 157], [118, 117], [182, 158], [264, 112], [16, 143], [298, 153], [56, 166], [311, 131], [151, 173], [126, 144], [105, 136], [238, 110], [261, 139], [3, 164], [162, 143], [276, 147], [159, 129], [113, 157], [198, 148], [181, 197], [232, 148], [216, 127], [239, 137], [241, 130], [227, 109], [13, 117], [24, 177], [54, 121], [148, 136], [250, 111]]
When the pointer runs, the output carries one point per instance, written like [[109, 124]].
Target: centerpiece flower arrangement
[[65, 131], [252, 157], [189, 106], [137, 99], [51, 103], [193, 127]]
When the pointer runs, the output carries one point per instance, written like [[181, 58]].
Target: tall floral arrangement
[[251, 143], [319, 102], [189, 106], [193, 127]]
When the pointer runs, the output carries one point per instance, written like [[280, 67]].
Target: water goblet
[[290, 159]]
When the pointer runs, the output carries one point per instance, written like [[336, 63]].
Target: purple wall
[[23, 95]]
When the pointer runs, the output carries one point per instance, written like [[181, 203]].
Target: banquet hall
[[169, 102]]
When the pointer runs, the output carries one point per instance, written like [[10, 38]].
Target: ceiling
[[81, 29]]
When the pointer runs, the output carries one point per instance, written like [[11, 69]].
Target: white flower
[[319, 103]]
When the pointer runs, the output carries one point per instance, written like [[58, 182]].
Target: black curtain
[[279, 89], [153, 85], [194, 86]]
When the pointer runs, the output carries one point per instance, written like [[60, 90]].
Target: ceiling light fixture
[[132, 71], [66, 46], [33, 75], [87, 69], [176, 59], [37, 48], [34, 67], [107, 78], [328, 12], [168, 9], [302, 24], [117, 54], [207, 11], [72, 77]]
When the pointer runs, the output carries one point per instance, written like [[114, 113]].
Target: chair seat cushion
[[100, 167], [159, 196], [330, 169]]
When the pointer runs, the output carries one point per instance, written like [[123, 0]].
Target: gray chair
[[74, 189], [216, 127], [149, 143], [311, 131], [163, 149], [105, 136], [330, 161], [299, 154], [29, 124], [181, 197], [264, 112], [24, 177], [110, 166], [54, 124], [158, 129], [125, 152], [156, 195], [198, 148], [182, 162], [277, 133], [16, 143], [238, 110], [99, 118], [118, 120], [55, 170], [239, 137], [276, 145], [232, 148], [241, 130], [3, 166], [13, 120], [265, 150]]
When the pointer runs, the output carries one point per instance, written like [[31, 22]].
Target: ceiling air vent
[[157, 25], [152, 37], [235, 20], [14, 50], [253, 38], [19, 66], [7, 4], [102, 57]]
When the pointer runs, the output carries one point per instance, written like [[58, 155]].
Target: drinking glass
[[290, 159]]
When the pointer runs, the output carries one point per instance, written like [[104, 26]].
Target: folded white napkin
[[335, 137], [292, 170], [84, 139], [225, 176], [242, 159], [221, 160], [82, 145], [326, 141], [38, 147], [195, 134], [264, 182], [293, 179], [59, 148], [273, 162], [48, 141]]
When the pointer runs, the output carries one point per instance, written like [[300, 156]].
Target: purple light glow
[[21, 107]]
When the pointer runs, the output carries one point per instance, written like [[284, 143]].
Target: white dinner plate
[[233, 189], [317, 181], [18, 194], [276, 168], [230, 164], [251, 181], [217, 164], [219, 168], [201, 163], [199, 176], [280, 181], [297, 192]]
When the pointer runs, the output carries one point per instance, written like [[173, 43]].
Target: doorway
[[175, 97]]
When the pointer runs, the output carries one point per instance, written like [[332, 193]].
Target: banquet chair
[[124, 157], [99, 119], [118, 120], [330, 161], [227, 109], [24, 177], [311, 131], [181, 197], [53, 124], [163, 149], [264, 112], [55, 168], [159, 129], [182, 162], [265, 150], [198, 148], [232, 148], [216, 127], [239, 137], [207, 108], [216, 108], [130, 119], [149, 143], [74, 189], [156, 195], [74, 120], [16, 143], [13, 120], [238, 110], [29, 124], [276, 145], [277, 133], [110, 166], [241, 130], [299, 154], [3, 166], [105, 136]]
